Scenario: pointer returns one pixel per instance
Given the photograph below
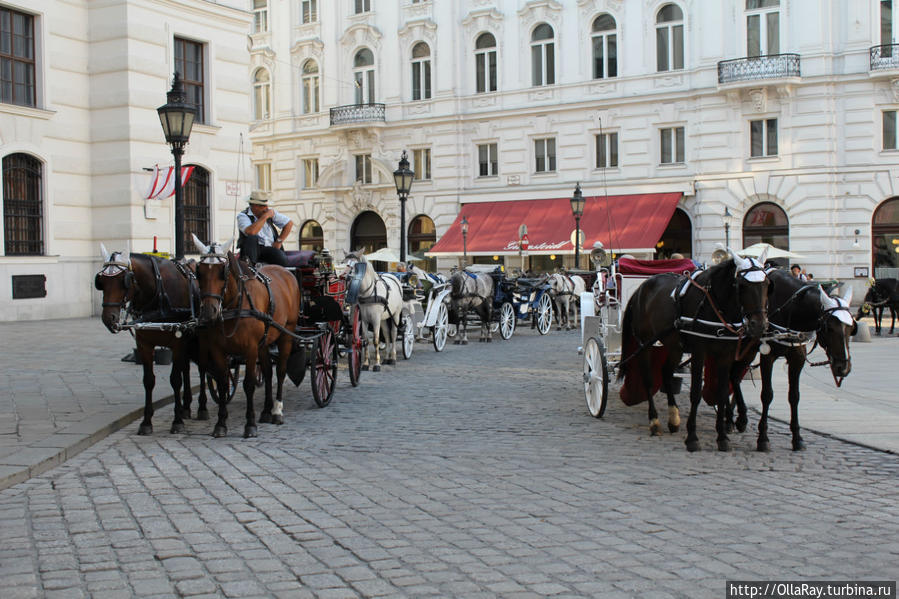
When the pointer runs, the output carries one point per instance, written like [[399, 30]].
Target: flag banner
[[162, 185]]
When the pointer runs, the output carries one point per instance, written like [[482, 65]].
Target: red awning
[[636, 221]]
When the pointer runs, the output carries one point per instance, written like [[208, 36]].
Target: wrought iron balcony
[[885, 57], [354, 114], [755, 68]]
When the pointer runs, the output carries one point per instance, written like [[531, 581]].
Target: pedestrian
[[260, 239], [797, 272]]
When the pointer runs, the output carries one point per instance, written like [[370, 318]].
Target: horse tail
[[628, 344]]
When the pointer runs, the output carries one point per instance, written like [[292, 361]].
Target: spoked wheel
[[441, 328], [506, 320], [408, 336], [324, 368], [544, 314], [355, 346], [596, 377]]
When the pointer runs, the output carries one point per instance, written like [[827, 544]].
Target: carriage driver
[[259, 236]]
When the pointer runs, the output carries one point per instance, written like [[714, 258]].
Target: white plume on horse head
[[847, 297], [127, 253], [204, 249], [826, 300], [226, 247], [763, 255], [104, 253], [740, 262]]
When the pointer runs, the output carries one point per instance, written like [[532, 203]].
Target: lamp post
[[464, 227], [403, 179], [577, 209], [727, 217], [177, 119]]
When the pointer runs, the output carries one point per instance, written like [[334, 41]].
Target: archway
[[311, 236], [422, 235], [766, 222], [885, 240], [368, 233], [677, 237]]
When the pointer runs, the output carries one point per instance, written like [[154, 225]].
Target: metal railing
[[753, 68], [885, 57], [357, 113]]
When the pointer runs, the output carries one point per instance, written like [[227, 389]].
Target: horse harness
[[364, 299], [161, 296], [237, 311]]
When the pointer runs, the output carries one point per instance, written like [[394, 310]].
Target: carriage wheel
[[596, 377], [441, 328], [544, 314], [356, 346], [324, 369], [506, 320], [408, 336]]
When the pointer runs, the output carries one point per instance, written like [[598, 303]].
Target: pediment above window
[[483, 19], [422, 29], [361, 34], [307, 48], [537, 11]]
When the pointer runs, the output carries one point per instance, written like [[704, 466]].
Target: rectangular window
[[672, 145], [889, 130], [487, 162], [485, 70], [763, 34], [310, 173], [260, 16], [363, 6], [545, 155], [886, 22], [264, 176], [422, 164], [189, 64], [310, 11], [763, 138], [363, 168], [607, 150], [17, 76]]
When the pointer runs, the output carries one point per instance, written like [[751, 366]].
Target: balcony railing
[[885, 57], [357, 113], [754, 68]]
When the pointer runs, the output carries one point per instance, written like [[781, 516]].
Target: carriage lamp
[[464, 227], [727, 217], [577, 209], [403, 179], [177, 119]]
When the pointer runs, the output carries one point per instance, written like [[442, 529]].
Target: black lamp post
[[403, 179], [464, 227], [177, 118], [577, 209], [727, 217]]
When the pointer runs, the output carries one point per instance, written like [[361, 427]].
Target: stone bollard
[[863, 335]]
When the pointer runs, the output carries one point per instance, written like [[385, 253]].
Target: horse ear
[[104, 253], [227, 246], [763, 255], [741, 263], [826, 300], [204, 249]]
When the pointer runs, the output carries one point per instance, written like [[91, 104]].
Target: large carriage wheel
[[544, 314], [355, 343], [441, 328], [324, 368], [596, 377], [506, 320], [408, 335]]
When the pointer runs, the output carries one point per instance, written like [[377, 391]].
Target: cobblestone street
[[476, 472]]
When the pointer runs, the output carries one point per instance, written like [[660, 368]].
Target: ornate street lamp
[[727, 218], [177, 119], [464, 227], [402, 177], [577, 209]]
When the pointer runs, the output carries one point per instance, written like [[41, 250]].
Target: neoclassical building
[[770, 120], [80, 82]]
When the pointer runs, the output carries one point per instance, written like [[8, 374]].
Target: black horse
[[147, 288], [884, 293], [798, 312], [715, 315]]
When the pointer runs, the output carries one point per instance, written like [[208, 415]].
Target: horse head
[[212, 276], [752, 286], [116, 281], [835, 327]]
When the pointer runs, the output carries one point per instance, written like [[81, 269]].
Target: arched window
[[368, 233], [885, 240], [677, 238], [670, 38], [23, 213], [543, 70], [485, 63], [605, 47], [766, 222], [262, 88], [310, 87], [422, 235], [311, 236], [364, 76], [196, 207], [421, 71]]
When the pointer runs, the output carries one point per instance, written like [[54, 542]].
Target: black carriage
[[519, 298]]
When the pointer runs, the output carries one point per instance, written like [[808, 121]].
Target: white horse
[[380, 303], [472, 291], [563, 288]]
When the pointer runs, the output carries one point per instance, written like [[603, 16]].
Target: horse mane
[[457, 283]]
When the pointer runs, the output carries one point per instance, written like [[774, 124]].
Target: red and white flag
[[163, 184]]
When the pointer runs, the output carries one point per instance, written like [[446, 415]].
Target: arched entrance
[[422, 235], [677, 237], [885, 240], [311, 236], [766, 222], [368, 233]]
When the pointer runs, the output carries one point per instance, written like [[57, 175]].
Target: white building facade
[[80, 82], [776, 118]]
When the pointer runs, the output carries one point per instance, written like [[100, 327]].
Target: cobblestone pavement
[[476, 472]]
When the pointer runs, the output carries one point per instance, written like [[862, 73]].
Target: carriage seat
[[301, 258], [529, 283]]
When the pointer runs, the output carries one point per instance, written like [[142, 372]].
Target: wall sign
[[29, 286], [861, 272]]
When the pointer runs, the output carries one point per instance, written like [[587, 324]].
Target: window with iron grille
[[196, 206], [17, 58], [23, 226], [189, 64]]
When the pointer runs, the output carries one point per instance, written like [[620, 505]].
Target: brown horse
[[246, 310], [149, 289]]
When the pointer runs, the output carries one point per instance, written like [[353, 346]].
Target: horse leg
[[766, 365], [376, 342], [696, 365], [388, 329], [202, 410], [878, 318], [249, 388], [265, 363], [219, 368], [464, 325], [892, 320], [673, 413], [560, 303], [723, 398], [187, 393], [145, 351], [794, 369], [285, 345], [176, 379], [487, 320], [365, 350], [646, 373]]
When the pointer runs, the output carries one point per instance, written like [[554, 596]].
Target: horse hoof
[[202, 414], [673, 428], [558, 328], [730, 427], [145, 429], [723, 445], [763, 446], [692, 445], [798, 445], [177, 428], [185, 413], [265, 417], [489, 339], [457, 342], [742, 421], [365, 367], [655, 429], [277, 419], [376, 368], [219, 431], [249, 432], [465, 342], [390, 362]]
